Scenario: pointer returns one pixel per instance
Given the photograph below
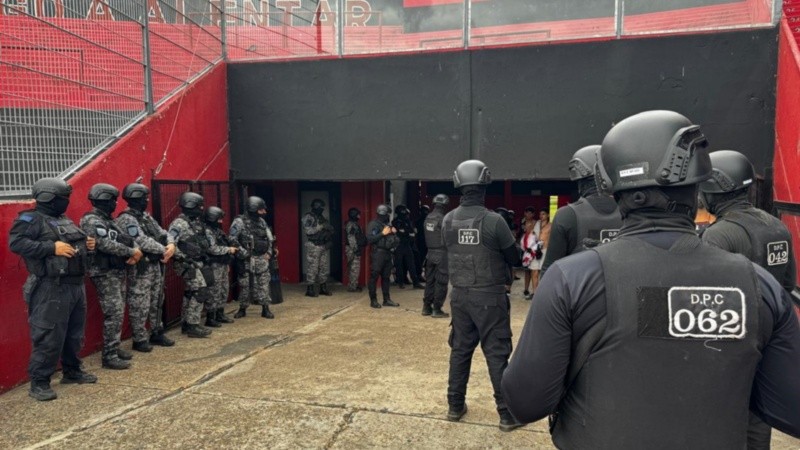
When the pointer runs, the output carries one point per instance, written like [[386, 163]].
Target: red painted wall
[[189, 135], [286, 205], [366, 196]]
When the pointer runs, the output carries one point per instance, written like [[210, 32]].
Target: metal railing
[[77, 74]]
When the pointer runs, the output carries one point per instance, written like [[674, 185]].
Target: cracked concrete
[[327, 373]]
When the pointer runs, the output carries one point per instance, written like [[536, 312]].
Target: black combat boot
[[355, 289], [508, 422], [311, 291], [211, 320], [418, 285], [142, 346], [41, 390], [196, 331], [388, 302], [437, 313], [241, 312], [78, 377], [373, 302], [456, 412], [427, 310], [323, 290], [124, 354], [221, 317], [115, 363], [266, 313], [158, 337]]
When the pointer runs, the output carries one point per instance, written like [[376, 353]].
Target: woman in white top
[[530, 245]]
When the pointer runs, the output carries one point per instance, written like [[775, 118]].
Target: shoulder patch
[[132, 230], [27, 217], [101, 231]]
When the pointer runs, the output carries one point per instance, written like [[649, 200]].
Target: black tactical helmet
[[731, 171], [582, 163], [255, 203], [424, 209], [400, 209], [103, 191], [47, 189], [383, 210], [135, 190], [353, 213], [652, 149], [317, 204], [213, 214], [471, 173], [441, 199], [191, 200]]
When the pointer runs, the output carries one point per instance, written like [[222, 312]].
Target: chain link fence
[[77, 74]]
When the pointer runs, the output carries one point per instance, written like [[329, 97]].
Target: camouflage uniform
[[193, 245], [319, 233], [146, 287], [355, 244], [253, 237], [107, 272], [219, 260]]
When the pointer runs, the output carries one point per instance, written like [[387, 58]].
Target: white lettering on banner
[[707, 312], [777, 253], [469, 236]]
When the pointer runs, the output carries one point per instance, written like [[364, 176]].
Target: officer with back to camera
[[480, 248], [354, 246], [146, 278], [250, 233], [436, 263], [583, 224], [383, 241], [656, 340], [741, 228], [319, 232], [54, 250], [189, 234], [115, 250], [220, 255], [404, 253]]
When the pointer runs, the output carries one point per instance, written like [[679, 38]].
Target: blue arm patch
[[26, 218]]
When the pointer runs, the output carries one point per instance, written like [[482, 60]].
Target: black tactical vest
[[433, 230], [194, 247], [675, 365], [223, 241], [388, 242], [105, 261], [261, 240], [769, 239], [594, 226], [61, 229], [471, 263]]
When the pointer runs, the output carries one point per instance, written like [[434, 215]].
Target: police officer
[[436, 262], [746, 230], [583, 224], [480, 248], [656, 340], [54, 250], [249, 232], [404, 254], [383, 241], [420, 250], [320, 236], [115, 248], [356, 241], [189, 234], [146, 285], [220, 255]]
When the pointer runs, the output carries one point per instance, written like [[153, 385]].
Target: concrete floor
[[326, 373]]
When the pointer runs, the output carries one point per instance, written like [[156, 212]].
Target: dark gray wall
[[522, 110]]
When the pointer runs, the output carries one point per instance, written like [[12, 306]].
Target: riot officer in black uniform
[[404, 254], [420, 250], [480, 248], [436, 262], [655, 339], [383, 241], [55, 252], [746, 230], [583, 224]]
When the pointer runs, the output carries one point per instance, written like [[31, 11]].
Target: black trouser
[[759, 434], [419, 259], [404, 262], [57, 317], [380, 266], [435, 279], [478, 317]]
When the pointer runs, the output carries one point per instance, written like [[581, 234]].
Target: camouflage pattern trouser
[[318, 264], [219, 292], [144, 299], [353, 267], [110, 291], [260, 293], [195, 295]]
